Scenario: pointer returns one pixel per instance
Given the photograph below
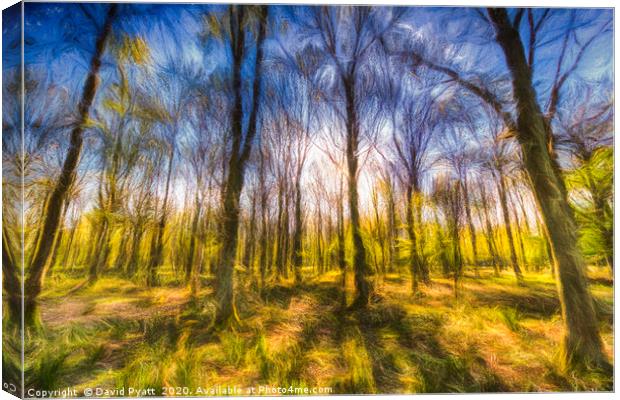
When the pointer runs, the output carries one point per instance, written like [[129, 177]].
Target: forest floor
[[495, 337]]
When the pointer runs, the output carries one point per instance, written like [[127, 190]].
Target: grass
[[497, 336]]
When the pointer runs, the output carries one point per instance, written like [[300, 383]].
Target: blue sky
[[60, 37]]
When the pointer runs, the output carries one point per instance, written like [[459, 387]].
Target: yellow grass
[[496, 336]]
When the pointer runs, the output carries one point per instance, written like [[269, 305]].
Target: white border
[[502, 3]]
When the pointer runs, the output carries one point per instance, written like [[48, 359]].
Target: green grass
[[511, 317], [496, 336]]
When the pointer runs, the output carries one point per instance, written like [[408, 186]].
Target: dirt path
[[133, 303]]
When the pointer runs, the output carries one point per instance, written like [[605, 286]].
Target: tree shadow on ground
[[538, 305], [436, 370]]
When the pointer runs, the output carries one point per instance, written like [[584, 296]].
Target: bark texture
[[53, 207], [240, 153], [582, 343]]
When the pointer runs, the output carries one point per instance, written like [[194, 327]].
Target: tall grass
[[301, 337]]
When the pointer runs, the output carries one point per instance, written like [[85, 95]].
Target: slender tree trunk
[[414, 261], [39, 228], [264, 240], [582, 343], [362, 285], [157, 251], [283, 250], [280, 232], [96, 261], [189, 262], [391, 231], [229, 224], [342, 264], [423, 264], [491, 245], [521, 203], [248, 252], [470, 225], [501, 188], [123, 249], [319, 241], [297, 232], [520, 241], [66, 178], [445, 263], [59, 236], [69, 248], [132, 262]]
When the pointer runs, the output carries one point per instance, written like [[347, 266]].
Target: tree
[[348, 36], [119, 152], [534, 132], [55, 202], [411, 144], [240, 20], [447, 192], [585, 135], [582, 344]]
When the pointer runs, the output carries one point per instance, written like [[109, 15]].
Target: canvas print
[[224, 199]]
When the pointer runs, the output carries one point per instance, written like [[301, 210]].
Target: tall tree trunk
[[112, 206], [521, 203], [491, 245], [417, 202], [69, 248], [458, 259], [414, 260], [59, 235], [283, 248], [519, 236], [297, 232], [132, 262], [123, 249], [189, 263], [240, 152], [501, 188], [263, 261], [363, 286], [582, 343], [248, 248], [280, 235], [319, 241], [39, 229], [470, 225], [342, 264], [443, 258], [380, 235], [157, 250], [391, 230], [99, 243], [264, 253], [67, 175]]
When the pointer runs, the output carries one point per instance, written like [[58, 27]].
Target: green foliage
[[48, 370], [359, 379], [511, 317], [234, 347], [591, 186], [146, 368], [11, 351]]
